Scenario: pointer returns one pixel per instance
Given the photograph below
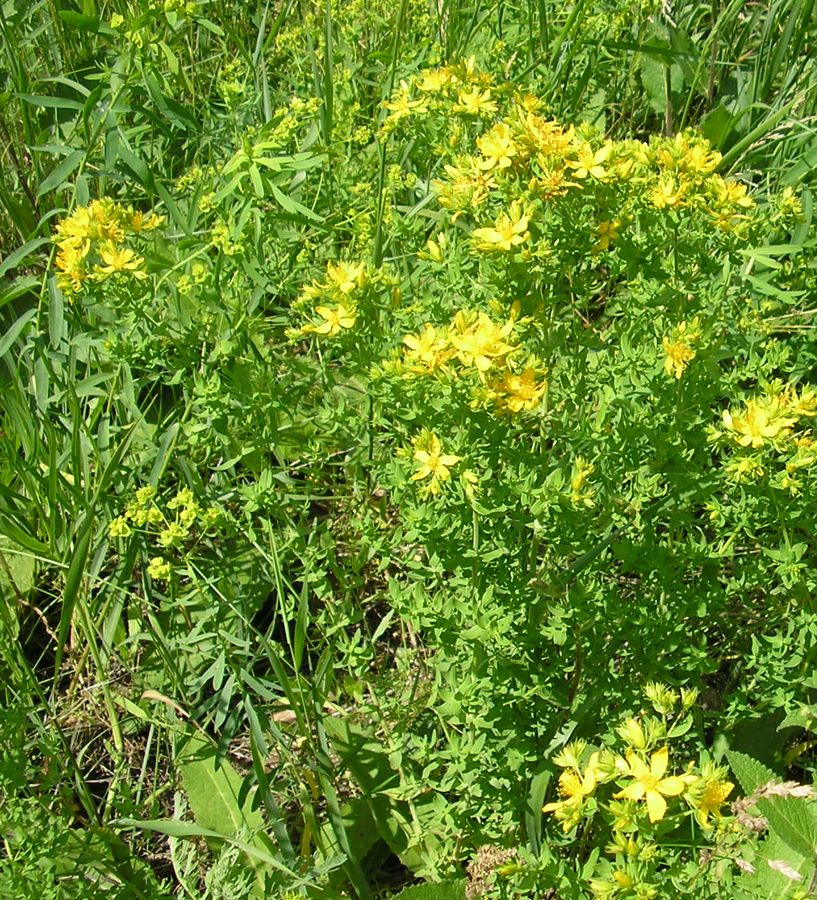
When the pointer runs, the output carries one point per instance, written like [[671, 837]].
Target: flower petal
[[638, 768], [671, 787], [659, 762], [656, 806], [634, 791]]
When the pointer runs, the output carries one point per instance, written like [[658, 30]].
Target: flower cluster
[[93, 244], [638, 796], [335, 300], [459, 88], [474, 344], [772, 426], [525, 155], [172, 524]]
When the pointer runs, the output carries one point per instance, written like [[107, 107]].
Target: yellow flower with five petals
[[434, 464], [334, 320], [509, 231], [650, 784]]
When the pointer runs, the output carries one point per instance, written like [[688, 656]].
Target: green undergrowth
[[407, 451]]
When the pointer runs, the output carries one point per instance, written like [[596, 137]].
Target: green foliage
[[389, 392]]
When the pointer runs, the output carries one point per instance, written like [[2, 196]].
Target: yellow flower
[[467, 186], [172, 535], [480, 343], [544, 137], [664, 698], [667, 193], [107, 221], [475, 103], [401, 106], [76, 229], [582, 494], [183, 498], [802, 404], [515, 393], [497, 148], [470, 483], [713, 797], [574, 788], [434, 80], [335, 319], [623, 813], [589, 162], [731, 193], [119, 527], [688, 153], [701, 160], [650, 784], [434, 464], [434, 249], [139, 222], [622, 881], [71, 266], [145, 494], [744, 470], [427, 351], [509, 231], [762, 420], [606, 232], [689, 697], [632, 732], [120, 259], [570, 756], [159, 569], [679, 355], [345, 277]]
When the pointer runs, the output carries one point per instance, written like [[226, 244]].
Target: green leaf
[[18, 289], [716, 126], [46, 102], [56, 313], [15, 330], [766, 881], [59, 174], [802, 168], [172, 207], [16, 580], [533, 811], [794, 821], [680, 728], [133, 161], [79, 21], [292, 206], [370, 765], [749, 772], [20, 254], [213, 789], [73, 582], [23, 538], [177, 828]]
